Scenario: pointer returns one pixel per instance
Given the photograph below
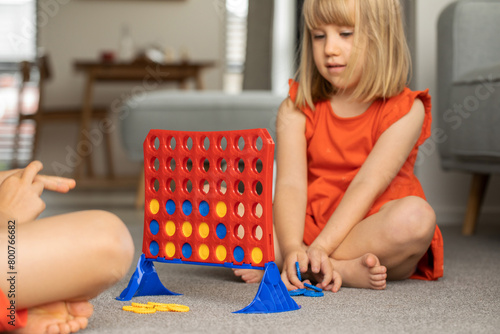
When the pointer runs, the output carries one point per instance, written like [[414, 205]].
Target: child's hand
[[289, 273], [321, 266], [20, 192]]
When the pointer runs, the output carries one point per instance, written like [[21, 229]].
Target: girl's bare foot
[[58, 317], [249, 275], [363, 272]]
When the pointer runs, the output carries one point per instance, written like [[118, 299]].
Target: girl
[[60, 262], [348, 206]]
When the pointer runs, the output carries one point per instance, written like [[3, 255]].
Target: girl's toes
[[378, 285], [53, 329], [378, 277], [64, 328], [74, 326]]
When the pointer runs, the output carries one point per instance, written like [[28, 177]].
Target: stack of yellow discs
[[178, 308], [152, 307]]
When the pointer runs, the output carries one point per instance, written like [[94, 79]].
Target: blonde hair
[[379, 40]]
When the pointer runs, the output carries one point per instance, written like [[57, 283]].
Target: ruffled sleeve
[[400, 105], [294, 88]]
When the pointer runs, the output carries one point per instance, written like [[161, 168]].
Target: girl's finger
[[315, 263], [327, 270], [303, 262], [38, 188], [337, 282], [30, 172], [56, 183]]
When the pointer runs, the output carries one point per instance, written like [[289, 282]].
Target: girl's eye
[[318, 36], [346, 33]]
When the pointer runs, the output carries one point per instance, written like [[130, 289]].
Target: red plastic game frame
[[198, 163], [189, 167]]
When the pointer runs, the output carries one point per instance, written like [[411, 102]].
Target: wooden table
[[149, 76]]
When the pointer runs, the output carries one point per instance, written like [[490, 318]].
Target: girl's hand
[[289, 272], [321, 266], [20, 192]]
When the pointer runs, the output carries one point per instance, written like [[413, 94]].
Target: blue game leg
[[144, 282], [272, 296]]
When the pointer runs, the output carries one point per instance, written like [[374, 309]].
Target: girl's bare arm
[[291, 188]]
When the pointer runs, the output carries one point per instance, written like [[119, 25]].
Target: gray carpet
[[466, 300]]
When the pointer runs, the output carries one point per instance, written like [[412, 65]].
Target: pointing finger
[[31, 171]]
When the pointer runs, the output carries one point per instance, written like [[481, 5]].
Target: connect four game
[[209, 202]]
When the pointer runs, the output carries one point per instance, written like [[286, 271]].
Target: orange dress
[[337, 148], [6, 316]]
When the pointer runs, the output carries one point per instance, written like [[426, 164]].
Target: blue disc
[[298, 271], [187, 250], [310, 293], [297, 292], [238, 254], [170, 207], [221, 231], [187, 207], [154, 227], [204, 208], [154, 248], [310, 286]]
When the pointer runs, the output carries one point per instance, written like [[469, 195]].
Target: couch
[[469, 95]]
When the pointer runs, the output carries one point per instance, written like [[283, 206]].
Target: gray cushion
[[469, 86], [195, 111]]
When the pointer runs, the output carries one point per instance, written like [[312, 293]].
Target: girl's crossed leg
[[63, 262], [386, 245]]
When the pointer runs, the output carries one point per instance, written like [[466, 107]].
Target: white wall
[[446, 191], [82, 29]]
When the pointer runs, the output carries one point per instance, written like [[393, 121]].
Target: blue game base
[[144, 282], [272, 296]]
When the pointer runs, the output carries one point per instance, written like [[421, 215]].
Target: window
[[235, 44], [17, 30]]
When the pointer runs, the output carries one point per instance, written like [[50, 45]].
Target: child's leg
[[397, 236], [63, 261]]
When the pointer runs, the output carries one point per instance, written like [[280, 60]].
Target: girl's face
[[332, 46]]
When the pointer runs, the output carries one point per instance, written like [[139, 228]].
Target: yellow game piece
[[257, 255], [170, 228], [221, 209], [144, 310], [154, 206], [128, 308], [156, 304], [187, 229], [178, 308], [142, 305], [162, 309], [204, 230], [170, 249], [221, 253], [204, 252]]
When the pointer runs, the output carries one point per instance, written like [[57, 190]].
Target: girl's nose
[[331, 47]]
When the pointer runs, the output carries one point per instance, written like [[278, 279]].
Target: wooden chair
[[43, 115]]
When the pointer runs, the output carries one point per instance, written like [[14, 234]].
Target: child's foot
[[58, 317], [363, 272], [249, 275]]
